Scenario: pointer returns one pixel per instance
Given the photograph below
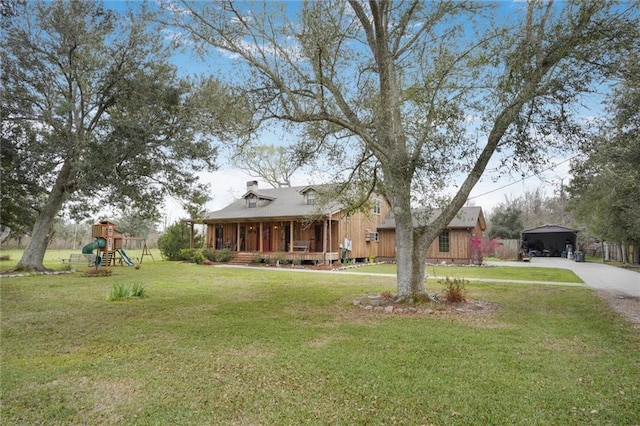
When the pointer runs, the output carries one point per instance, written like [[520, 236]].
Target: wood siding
[[459, 246], [277, 236]]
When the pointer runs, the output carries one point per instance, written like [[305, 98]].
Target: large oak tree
[[410, 95], [95, 116]]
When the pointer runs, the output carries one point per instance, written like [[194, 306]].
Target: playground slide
[[125, 258], [97, 243]]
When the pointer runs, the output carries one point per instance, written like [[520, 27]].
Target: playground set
[[109, 245]]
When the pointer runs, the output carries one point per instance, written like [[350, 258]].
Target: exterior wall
[[459, 246], [273, 235], [361, 229], [387, 244]]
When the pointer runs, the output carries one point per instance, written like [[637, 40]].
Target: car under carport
[[549, 240]]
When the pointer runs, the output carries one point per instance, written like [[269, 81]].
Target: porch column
[[291, 237], [260, 238], [324, 237], [191, 235], [238, 236]]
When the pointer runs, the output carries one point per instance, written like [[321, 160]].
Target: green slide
[[97, 243]]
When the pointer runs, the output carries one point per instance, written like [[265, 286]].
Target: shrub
[[186, 255], [223, 255], [198, 257], [176, 238], [455, 290], [209, 254]]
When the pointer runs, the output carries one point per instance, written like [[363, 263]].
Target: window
[[310, 198], [252, 202], [376, 206], [443, 242]]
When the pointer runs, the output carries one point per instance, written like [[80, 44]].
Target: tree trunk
[[419, 257], [404, 253], [42, 233], [5, 231]]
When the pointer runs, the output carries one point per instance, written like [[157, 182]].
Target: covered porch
[[291, 240]]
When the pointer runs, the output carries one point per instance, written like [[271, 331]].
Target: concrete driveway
[[595, 275]]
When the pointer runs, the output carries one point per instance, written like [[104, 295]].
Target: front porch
[[284, 258], [277, 241]]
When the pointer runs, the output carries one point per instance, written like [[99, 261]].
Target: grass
[[532, 273], [212, 345], [53, 259]]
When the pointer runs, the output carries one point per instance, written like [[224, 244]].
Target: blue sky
[[229, 183]]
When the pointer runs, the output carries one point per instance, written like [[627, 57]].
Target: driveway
[[595, 275]]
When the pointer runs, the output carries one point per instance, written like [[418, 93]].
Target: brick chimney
[[252, 185]]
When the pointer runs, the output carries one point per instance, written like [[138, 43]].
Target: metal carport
[[553, 238]]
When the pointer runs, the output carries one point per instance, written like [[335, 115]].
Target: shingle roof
[[467, 217], [280, 203]]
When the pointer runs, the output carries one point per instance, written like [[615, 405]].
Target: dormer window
[[310, 198], [252, 202]]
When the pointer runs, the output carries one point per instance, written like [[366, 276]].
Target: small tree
[[175, 239]]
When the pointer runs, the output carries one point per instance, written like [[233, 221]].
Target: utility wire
[[553, 166]]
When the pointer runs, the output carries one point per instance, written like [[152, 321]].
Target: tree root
[[417, 298]]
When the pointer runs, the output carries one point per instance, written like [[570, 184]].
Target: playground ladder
[[108, 258]]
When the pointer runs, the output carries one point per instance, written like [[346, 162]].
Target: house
[[453, 245], [289, 224]]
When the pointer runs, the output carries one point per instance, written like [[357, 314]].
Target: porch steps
[[241, 258]]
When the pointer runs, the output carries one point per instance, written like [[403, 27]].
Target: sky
[[229, 183]]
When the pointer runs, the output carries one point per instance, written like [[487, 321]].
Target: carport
[[549, 240]]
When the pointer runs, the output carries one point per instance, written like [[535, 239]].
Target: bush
[[176, 238], [223, 255], [455, 290], [198, 257], [187, 255], [209, 254]]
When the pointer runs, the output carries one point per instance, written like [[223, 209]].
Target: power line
[[553, 166]]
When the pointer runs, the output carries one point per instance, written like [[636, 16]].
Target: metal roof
[[549, 229]]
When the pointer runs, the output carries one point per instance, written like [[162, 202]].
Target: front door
[[243, 240], [287, 237], [318, 237], [266, 238]]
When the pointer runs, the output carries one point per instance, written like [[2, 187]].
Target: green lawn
[[214, 345], [532, 273], [53, 259]]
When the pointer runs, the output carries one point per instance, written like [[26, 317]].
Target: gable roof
[[467, 217], [288, 202]]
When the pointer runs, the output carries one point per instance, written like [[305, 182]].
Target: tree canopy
[[406, 96], [94, 115], [274, 164], [605, 189]]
